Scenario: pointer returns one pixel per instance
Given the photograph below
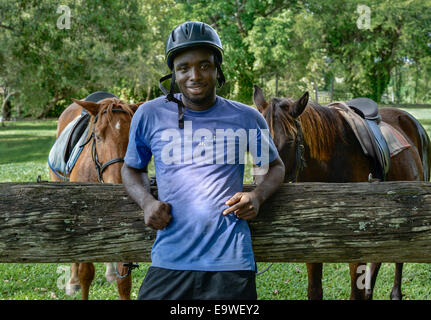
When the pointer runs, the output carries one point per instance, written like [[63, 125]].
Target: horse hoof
[[396, 296], [72, 289], [111, 277]]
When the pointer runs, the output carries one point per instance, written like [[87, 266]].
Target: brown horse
[[108, 137], [332, 153]]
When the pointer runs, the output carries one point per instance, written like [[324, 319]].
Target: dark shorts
[[166, 284]]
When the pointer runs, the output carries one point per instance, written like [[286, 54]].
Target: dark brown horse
[[108, 137], [332, 153]]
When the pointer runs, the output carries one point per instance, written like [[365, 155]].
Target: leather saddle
[[377, 145]]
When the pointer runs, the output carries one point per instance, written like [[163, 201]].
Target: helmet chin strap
[[220, 76], [170, 94], [170, 97]]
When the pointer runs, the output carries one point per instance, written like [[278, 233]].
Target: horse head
[[282, 114], [109, 126]]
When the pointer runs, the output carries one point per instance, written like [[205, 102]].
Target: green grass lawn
[[24, 148]]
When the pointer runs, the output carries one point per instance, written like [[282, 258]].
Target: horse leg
[[315, 291], [86, 275], [73, 286], [355, 292], [372, 273], [396, 289], [125, 284], [110, 275]]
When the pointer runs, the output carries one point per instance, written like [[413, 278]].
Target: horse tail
[[424, 148], [427, 161]]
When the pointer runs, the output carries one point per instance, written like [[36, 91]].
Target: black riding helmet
[[192, 34], [187, 35]]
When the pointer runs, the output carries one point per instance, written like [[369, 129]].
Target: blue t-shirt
[[198, 169]]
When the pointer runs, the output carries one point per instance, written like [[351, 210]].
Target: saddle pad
[[395, 140], [56, 159], [76, 152]]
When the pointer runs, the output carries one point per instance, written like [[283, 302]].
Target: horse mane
[[320, 125], [107, 106]]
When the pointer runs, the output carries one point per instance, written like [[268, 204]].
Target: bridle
[[101, 167], [299, 152], [299, 147]]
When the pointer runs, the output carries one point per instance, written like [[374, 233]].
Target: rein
[[100, 167]]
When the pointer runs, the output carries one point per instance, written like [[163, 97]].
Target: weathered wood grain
[[304, 222]]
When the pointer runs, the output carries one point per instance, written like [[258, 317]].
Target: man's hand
[[157, 214], [245, 205]]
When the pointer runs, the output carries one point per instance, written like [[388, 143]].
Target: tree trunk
[[148, 93], [276, 83], [49, 107], [302, 222], [6, 107], [398, 78], [331, 97], [18, 110], [316, 93], [416, 83]]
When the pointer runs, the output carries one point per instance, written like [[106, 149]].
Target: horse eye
[[287, 144], [98, 138]]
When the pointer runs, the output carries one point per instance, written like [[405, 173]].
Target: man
[[203, 247]]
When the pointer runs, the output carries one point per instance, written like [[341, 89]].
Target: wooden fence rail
[[304, 222]]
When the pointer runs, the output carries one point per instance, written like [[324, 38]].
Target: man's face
[[196, 76]]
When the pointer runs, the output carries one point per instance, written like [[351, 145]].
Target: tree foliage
[[285, 44], [46, 63]]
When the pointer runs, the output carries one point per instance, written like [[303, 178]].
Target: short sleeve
[[138, 152]]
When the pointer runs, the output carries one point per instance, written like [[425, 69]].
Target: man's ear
[[298, 107], [259, 99], [91, 107]]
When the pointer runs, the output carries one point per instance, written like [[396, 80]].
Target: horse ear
[[135, 106], [259, 99], [299, 105], [91, 107]]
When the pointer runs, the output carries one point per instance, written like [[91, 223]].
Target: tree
[[47, 63], [287, 46], [234, 20], [370, 52]]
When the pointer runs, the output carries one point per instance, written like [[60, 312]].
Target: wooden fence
[[303, 222]]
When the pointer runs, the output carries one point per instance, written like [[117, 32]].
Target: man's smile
[[196, 89]]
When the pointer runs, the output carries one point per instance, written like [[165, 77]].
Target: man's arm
[[246, 205], [156, 213]]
